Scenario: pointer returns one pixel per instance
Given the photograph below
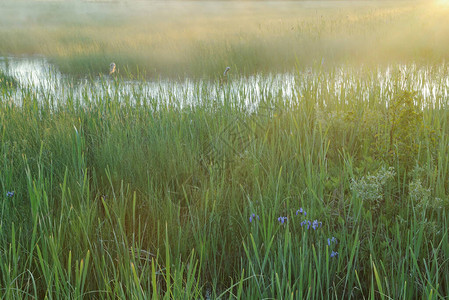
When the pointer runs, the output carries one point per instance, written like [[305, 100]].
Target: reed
[[301, 196]]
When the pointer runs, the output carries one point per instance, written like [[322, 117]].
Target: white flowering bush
[[371, 187]]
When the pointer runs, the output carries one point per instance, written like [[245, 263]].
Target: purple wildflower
[[282, 220], [252, 217], [301, 211], [331, 241], [10, 194], [306, 222], [316, 224], [334, 253]]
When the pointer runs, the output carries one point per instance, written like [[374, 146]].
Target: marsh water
[[38, 75]]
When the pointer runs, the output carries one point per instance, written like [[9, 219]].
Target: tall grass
[[195, 39], [150, 198], [7, 81]]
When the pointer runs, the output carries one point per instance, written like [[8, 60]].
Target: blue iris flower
[[306, 222], [301, 211], [252, 217], [316, 224], [282, 220], [332, 240]]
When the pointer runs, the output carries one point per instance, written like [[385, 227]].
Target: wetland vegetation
[[318, 169]]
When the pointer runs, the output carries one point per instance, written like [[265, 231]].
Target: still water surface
[[37, 74]]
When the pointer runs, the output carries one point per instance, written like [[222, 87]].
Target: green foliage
[[123, 194], [405, 120], [7, 82]]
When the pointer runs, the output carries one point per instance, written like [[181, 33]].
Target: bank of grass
[[104, 198], [7, 82], [196, 39]]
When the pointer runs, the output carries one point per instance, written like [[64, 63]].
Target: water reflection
[[38, 74], [341, 85]]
